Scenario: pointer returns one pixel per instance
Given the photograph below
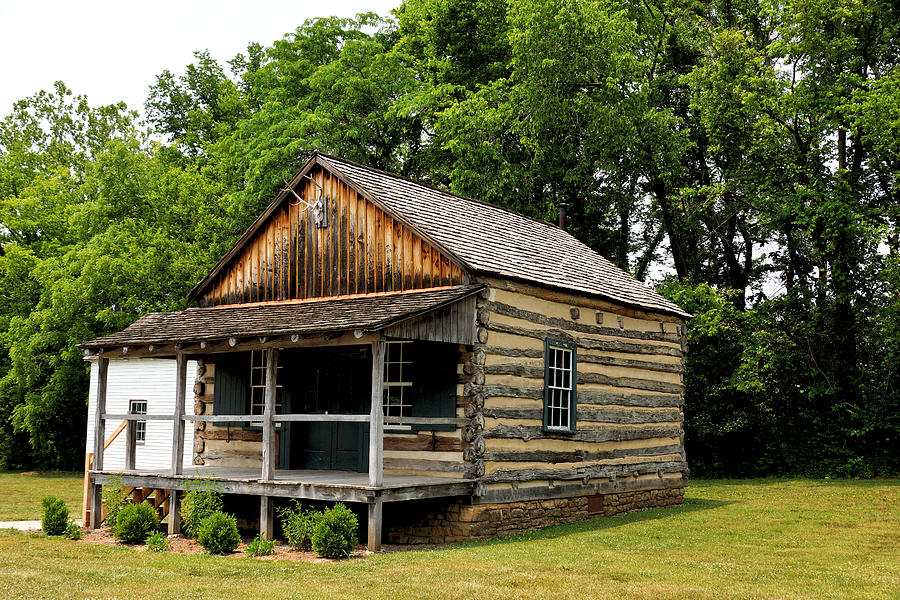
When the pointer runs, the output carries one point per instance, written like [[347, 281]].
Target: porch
[[447, 319], [369, 486]]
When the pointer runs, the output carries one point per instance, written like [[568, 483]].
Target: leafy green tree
[[749, 147], [197, 108]]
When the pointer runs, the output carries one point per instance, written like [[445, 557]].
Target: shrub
[[335, 534], [260, 546], [56, 515], [73, 531], [197, 504], [157, 542], [135, 523], [299, 525], [218, 533], [114, 500]]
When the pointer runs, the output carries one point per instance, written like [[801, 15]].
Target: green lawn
[[20, 494], [732, 539]]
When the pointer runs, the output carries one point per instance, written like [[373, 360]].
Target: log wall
[[629, 434], [218, 444], [630, 367], [363, 250]]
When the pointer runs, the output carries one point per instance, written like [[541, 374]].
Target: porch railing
[[375, 418]]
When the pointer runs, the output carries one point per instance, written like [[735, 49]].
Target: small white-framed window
[[560, 375], [398, 379], [139, 407], [258, 384]]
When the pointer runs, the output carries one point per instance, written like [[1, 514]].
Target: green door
[[334, 381]]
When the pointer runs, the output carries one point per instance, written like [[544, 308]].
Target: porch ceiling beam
[[222, 346], [137, 351]]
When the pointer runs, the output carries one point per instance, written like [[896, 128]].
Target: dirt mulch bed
[[182, 545]]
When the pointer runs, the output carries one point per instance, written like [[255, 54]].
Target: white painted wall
[[153, 380]]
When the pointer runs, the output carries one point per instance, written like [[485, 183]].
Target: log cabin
[[452, 369]]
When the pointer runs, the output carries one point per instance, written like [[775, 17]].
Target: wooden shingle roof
[[494, 241], [367, 313]]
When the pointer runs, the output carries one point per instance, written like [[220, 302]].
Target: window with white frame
[[258, 383], [139, 407], [560, 376], [398, 379]]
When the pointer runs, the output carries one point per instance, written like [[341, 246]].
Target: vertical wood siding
[[454, 324], [147, 379], [363, 250]]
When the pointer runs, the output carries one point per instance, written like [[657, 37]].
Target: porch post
[[178, 422], [267, 517], [376, 444], [376, 415], [96, 501], [174, 512], [374, 542], [269, 452], [100, 410], [177, 440], [99, 434]]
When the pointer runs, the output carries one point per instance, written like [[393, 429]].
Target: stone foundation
[[443, 522], [628, 502]]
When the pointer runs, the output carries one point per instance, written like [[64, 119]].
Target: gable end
[[364, 248]]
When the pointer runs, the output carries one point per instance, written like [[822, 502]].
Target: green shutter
[[231, 391], [434, 383]]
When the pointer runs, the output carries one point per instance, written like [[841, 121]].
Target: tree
[[750, 148]]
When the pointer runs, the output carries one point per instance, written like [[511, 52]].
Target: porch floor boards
[[347, 486]]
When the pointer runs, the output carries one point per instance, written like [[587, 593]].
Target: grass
[[731, 539], [20, 494]]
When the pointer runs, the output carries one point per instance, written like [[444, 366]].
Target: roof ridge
[[549, 225], [442, 191]]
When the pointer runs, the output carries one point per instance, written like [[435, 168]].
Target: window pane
[[398, 380], [139, 407], [560, 365]]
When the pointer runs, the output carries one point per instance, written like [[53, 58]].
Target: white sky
[[112, 51]]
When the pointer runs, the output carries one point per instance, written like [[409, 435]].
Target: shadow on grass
[[600, 523], [769, 481]]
